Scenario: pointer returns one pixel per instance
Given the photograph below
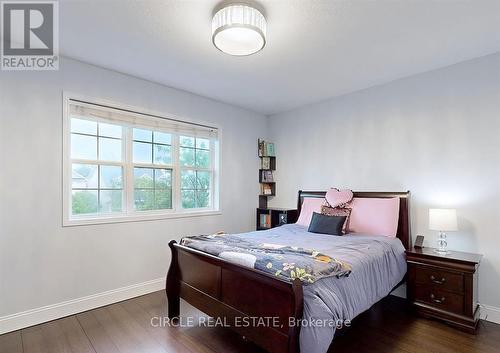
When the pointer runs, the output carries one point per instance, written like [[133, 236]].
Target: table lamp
[[442, 220]]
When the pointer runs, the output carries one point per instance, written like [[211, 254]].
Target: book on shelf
[[267, 176], [270, 149], [262, 148], [265, 189], [265, 163], [265, 220], [266, 149]]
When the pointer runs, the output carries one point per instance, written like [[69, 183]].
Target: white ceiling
[[316, 49]]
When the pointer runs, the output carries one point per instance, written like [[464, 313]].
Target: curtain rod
[[140, 113]]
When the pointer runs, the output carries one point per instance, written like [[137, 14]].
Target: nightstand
[[444, 287]]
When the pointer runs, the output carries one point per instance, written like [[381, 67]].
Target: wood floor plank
[[216, 339], [75, 335], [60, 336], [222, 340], [414, 335], [411, 338], [66, 336], [433, 334], [33, 340], [163, 335], [11, 342], [117, 332], [147, 343], [125, 333], [155, 305], [96, 333], [126, 328]]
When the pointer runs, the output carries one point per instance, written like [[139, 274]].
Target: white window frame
[[129, 214]]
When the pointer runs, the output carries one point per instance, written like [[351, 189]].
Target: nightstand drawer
[[440, 299], [441, 279]]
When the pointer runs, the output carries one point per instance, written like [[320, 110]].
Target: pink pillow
[[374, 216], [310, 205], [338, 198]]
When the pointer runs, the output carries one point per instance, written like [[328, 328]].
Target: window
[[123, 165]]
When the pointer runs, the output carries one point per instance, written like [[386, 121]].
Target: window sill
[[137, 218]]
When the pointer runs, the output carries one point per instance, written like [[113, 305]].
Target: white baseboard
[[55, 311], [490, 313]]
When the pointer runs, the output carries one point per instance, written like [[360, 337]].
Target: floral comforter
[[283, 261]]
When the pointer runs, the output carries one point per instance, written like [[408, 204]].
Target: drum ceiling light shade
[[239, 30]]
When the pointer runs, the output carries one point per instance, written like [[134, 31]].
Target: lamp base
[[442, 252], [442, 244]]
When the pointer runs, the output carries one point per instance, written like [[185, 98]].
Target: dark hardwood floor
[[126, 328]]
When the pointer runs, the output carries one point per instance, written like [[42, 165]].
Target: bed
[[223, 289]]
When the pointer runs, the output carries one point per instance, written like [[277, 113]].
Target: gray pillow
[[324, 224]]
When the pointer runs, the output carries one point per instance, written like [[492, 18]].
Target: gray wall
[[436, 134], [41, 262]]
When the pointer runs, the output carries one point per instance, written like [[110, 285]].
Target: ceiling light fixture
[[239, 30]]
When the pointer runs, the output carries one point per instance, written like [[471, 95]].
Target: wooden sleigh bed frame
[[231, 292]]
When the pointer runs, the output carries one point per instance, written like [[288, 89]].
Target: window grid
[[197, 191], [98, 163], [98, 136], [153, 144], [195, 144], [152, 164], [156, 190], [196, 151], [99, 188]]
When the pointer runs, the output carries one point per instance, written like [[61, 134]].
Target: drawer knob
[[437, 281], [437, 301]]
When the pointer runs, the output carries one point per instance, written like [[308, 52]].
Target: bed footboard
[[254, 304]]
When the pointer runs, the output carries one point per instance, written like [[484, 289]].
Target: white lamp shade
[[443, 219], [239, 30]]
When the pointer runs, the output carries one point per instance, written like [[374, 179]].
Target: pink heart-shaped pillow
[[338, 198]]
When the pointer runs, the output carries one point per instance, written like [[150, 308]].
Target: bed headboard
[[403, 233]]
